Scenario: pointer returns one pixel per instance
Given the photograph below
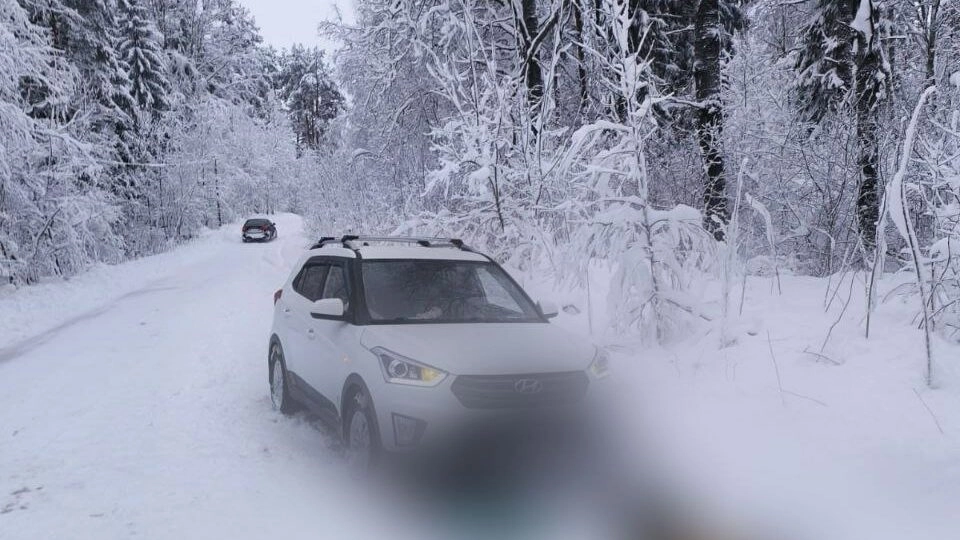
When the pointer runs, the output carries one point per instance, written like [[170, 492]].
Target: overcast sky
[[285, 22]]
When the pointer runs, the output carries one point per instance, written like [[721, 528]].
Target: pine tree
[[141, 49], [664, 31], [682, 61], [85, 33], [92, 48], [231, 61], [825, 61], [658, 31], [311, 96], [841, 64]]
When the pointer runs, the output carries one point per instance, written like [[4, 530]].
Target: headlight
[[600, 366], [402, 370]]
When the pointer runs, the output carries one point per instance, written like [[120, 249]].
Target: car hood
[[484, 348]]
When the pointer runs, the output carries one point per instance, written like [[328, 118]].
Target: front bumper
[[423, 418]]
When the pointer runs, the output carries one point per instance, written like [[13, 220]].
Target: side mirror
[[327, 308], [548, 309]]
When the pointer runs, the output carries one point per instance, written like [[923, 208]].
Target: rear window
[[256, 223]]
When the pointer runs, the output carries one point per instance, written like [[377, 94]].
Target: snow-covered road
[[148, 415]]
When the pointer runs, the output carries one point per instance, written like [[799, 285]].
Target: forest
[[665, 140], [127, 126]]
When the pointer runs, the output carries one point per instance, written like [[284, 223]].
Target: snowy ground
[[835, 438], [133, 403]]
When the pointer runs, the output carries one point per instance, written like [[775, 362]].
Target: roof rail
[[324, 240], [354, 242]]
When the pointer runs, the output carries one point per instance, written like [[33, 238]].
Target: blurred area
[[562, 473]]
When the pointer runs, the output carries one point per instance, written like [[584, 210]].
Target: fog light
[[406, 430]]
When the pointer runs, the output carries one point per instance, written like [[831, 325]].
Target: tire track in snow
[[24, 346]]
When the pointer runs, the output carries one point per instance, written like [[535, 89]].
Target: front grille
[[507, 391]]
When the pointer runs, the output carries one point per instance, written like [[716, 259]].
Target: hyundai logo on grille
[[528, 386]]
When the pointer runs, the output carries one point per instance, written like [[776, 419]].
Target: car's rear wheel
[[279, 387], [361, 436]]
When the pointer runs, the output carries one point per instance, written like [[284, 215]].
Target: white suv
[[399, 340]]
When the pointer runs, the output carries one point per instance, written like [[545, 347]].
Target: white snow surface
[[844, 442], [134, 404]]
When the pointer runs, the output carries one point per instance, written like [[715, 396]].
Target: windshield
[[443, 292]]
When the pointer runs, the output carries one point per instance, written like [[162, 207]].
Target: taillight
[[277, 295]]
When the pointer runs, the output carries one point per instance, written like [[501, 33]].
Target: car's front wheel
[[279, 388], [361, 436]]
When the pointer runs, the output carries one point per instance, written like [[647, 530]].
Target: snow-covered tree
[[708, 48], [842, 66], [310, 95], [653, 251], [116, 141], [141, 49], [52, 219]]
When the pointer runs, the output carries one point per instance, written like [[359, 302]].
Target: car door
[[284, 321], [298, 347], [328, 335]]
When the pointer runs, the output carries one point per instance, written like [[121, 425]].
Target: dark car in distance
[[259, 230]]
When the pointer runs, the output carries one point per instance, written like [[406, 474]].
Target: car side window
[[336, 286], [298, 280], [309, 282]]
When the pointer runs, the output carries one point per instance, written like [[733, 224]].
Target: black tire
[[280, 381], [359, 410], [244, 239]]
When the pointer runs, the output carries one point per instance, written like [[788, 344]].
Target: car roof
[[415, 252], [400, 252]]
